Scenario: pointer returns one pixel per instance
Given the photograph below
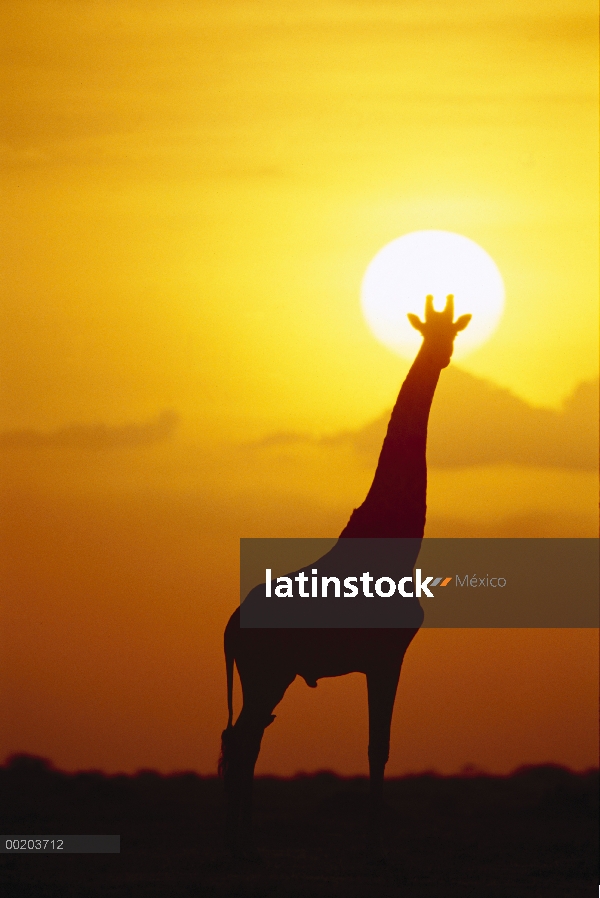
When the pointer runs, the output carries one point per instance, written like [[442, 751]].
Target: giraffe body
[[268, 660]]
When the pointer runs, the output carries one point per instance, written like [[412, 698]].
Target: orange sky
[[192, 192]]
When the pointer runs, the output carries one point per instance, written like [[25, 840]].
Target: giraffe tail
[[227, 734]]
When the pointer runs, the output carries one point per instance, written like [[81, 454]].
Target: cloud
[[474, 422], [525, 525], [95, 436]]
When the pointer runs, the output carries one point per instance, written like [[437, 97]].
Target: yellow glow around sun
[[438, 262]]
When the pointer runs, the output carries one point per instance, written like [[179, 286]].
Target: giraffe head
[[439, 329]]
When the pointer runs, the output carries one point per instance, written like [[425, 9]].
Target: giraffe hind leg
[[241, 748]]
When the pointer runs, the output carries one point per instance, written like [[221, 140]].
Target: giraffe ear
[[462, 322], [416, 322]]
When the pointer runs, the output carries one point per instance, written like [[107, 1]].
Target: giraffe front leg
[[381, 687]]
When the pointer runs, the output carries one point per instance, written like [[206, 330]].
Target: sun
[[404, 271]]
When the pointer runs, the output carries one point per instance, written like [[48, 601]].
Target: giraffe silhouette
[[268, 660]]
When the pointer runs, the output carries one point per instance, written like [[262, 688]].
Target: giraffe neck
[[396, 502]]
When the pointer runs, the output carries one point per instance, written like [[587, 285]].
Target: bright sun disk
[[401, 275]]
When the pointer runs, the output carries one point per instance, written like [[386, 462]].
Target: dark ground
[[530, 835]]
